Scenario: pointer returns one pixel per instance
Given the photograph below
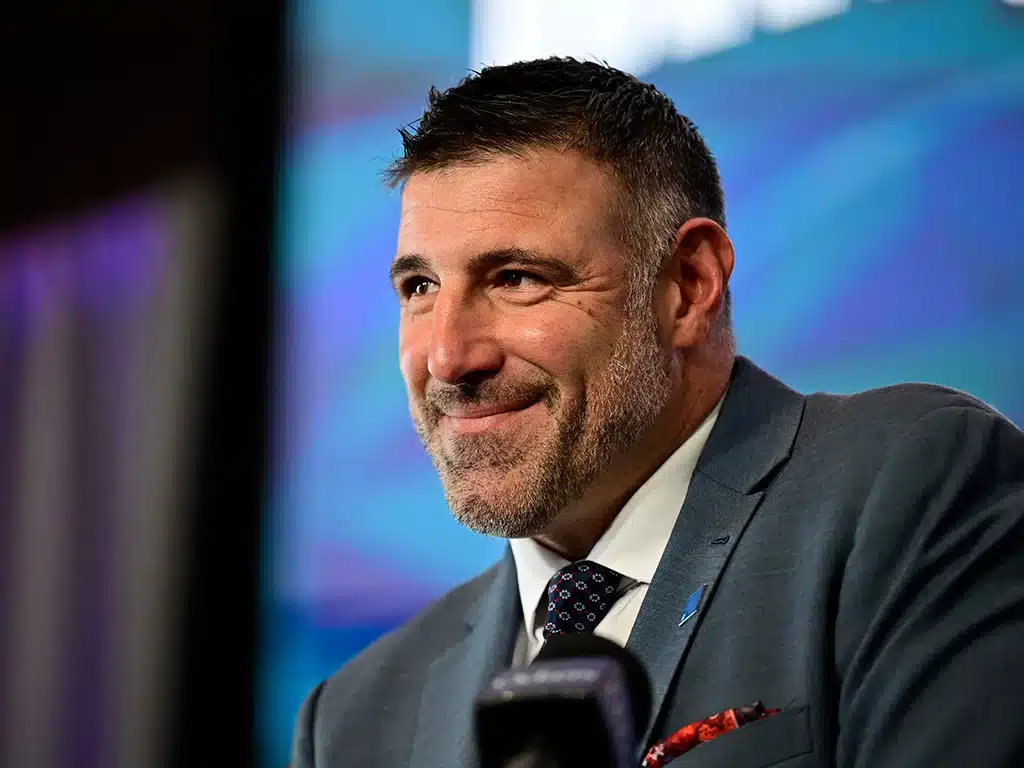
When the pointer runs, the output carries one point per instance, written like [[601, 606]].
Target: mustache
[[440, 397]]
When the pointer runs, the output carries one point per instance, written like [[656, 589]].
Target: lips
[[476, 419], [479, 412]]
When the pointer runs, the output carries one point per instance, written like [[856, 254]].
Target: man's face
[[527, 377]]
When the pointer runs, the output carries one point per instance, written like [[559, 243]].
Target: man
[[855, 562]]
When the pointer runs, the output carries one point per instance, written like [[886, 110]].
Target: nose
[[462, 343]]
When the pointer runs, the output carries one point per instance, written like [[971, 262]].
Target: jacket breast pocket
[[760, 744]]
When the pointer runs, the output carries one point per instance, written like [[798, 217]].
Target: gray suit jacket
[[864, 563]]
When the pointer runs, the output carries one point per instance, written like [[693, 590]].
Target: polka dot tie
[[579, 596]]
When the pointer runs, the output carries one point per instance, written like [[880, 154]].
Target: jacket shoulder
[[405, 653], [887, 412], [369, 705]]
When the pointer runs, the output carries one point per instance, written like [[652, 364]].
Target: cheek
[[412, 358], [564, 346], [536, 341], [533, 335]]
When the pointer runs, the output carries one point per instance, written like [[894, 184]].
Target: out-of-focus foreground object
[[138, 153]]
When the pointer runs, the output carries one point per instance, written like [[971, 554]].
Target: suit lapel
[[444, 729], [691, 562], [753, 436], [751, 439]]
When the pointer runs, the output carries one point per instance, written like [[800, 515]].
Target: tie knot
[[579, 596]]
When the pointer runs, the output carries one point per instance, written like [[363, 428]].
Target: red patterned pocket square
[[689, 736]]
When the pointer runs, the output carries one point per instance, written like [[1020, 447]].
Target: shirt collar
[[636, 539]]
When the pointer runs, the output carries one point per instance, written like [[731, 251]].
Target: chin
[[501, 517]]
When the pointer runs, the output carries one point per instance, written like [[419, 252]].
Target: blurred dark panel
[[217, 695], [103, 98], [97, 102]]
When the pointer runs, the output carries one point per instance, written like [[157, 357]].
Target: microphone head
[[584, 701], [584, 645]]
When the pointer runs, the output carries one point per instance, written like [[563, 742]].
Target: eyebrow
[[406, 264], [560, 271]]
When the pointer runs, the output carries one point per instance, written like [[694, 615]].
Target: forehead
[[547, 200]]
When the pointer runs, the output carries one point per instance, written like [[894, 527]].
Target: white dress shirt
[[632, 545]]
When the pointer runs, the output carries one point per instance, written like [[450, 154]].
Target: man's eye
[[417, 286], [517, 278]]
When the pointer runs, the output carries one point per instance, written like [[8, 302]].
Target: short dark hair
[[666, 172]]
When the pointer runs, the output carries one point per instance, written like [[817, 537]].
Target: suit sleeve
[[929, 634], [302, 742]]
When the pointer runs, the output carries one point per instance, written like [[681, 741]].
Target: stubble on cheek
[[456, 457]]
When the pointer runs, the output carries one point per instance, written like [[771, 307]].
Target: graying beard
[[561, 478]]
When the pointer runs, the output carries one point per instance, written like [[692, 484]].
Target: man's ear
[[697, 276]]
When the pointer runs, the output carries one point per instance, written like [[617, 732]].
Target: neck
[[577, 528]]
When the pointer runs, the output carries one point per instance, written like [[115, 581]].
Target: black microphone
[[583, 701]]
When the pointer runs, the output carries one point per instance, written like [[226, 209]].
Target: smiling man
[[545, 391], [562, 276]]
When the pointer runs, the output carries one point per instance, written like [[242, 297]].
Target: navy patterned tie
[[579, 596]]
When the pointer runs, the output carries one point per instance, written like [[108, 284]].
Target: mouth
[[481, 419]]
